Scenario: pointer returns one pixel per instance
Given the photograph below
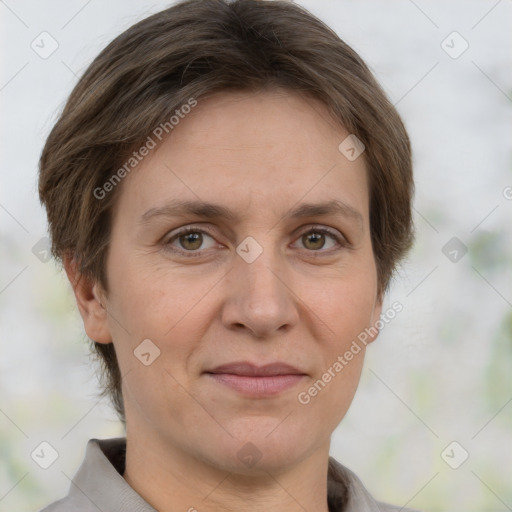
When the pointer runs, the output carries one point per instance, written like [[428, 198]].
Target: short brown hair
[[194, 49]]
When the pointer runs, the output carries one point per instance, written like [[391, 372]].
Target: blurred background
[[431, 423]]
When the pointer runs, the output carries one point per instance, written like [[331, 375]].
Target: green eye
[[191, 241], [313, 240], [318, 238]]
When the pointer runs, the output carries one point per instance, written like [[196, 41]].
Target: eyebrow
[[334, 207], [179, 208]]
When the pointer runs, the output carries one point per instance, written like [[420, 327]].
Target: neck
[[173, 481]]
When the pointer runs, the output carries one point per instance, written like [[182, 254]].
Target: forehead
[[265, 149]]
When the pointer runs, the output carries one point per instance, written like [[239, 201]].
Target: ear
[[90, 300]]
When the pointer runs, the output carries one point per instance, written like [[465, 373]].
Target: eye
[[316, 239], [190, 240]]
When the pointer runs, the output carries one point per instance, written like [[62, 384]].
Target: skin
[[302, 301]]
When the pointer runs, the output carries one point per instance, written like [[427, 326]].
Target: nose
[[259, 299]]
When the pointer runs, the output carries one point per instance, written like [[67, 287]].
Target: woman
[[229, 191]]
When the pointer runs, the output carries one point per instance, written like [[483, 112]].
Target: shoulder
[[348, 493], [98, 481], [71, 504]]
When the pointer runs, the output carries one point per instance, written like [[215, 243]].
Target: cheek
[[169, 312], [344, 309], [173, 311], [153, 301], [343, 304]]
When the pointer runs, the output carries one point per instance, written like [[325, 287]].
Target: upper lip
[[253, 370]]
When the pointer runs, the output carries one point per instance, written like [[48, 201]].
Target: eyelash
[[340, 240]]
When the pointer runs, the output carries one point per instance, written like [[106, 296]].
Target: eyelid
[[188, 228]]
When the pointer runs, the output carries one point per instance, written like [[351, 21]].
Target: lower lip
[[257, 386]]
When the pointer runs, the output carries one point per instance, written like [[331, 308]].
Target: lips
[[257, 381], [252, 370]]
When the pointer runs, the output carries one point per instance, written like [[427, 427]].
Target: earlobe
[[90, 301]]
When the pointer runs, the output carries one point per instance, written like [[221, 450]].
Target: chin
[[262, 445]]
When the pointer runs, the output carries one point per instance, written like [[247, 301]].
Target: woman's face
[[277, 267]]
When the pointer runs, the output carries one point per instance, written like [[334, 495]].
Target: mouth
[[257, 381]]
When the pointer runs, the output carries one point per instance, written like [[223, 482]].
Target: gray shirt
[[99, 486]]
